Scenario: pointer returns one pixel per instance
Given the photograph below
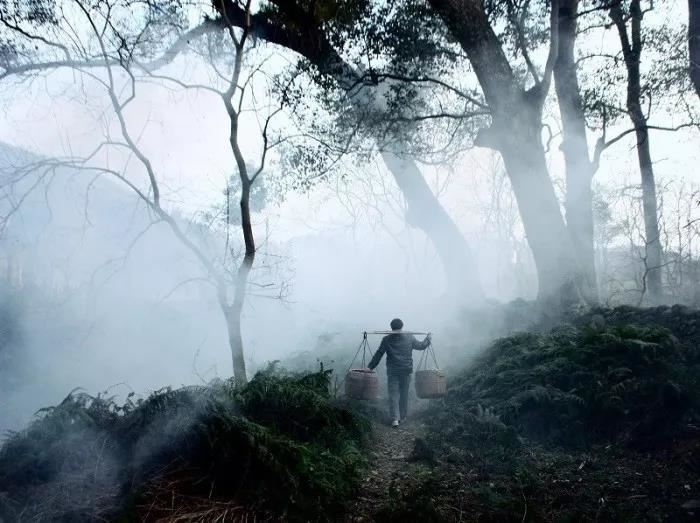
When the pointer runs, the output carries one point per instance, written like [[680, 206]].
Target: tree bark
[[234, 311], [547, 236], [650, 207], [232, 314], [515, 132], [632, 51], [426, 212], [579, 168], [694, 42]]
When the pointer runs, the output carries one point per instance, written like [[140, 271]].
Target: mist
[[205, 208]]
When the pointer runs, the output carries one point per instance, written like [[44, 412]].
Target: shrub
[[276, 447], [573, 386]]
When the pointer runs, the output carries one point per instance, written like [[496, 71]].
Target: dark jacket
[[399, 349]]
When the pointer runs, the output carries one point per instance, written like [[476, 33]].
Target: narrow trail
[[391, 466]]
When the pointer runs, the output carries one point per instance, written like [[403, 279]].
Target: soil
[[406, 483], [390, 464]]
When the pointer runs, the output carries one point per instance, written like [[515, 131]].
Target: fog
[[105, 299], [108, 301]]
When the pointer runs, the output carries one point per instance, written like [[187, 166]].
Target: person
[[399, 348]]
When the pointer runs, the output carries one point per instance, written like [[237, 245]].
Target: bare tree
[[631, 43], [623, 267], [110, 57]]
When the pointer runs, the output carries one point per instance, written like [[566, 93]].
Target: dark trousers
[[399, 382]]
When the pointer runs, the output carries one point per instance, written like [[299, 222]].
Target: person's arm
[[421, 345], [377, 355]]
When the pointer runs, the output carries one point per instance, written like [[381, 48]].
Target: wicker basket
[[431, 384], [362, 384]]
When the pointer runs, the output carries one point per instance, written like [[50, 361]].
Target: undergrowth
[[575, 386], [275, 448]]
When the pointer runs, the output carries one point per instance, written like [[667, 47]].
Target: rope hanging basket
[[430, 383], [362, 383]]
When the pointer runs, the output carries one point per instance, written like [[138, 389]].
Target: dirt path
[[390, 467]]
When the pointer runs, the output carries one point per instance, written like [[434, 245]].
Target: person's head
[[396, 324]]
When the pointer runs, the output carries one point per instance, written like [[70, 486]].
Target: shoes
[[395, 423]]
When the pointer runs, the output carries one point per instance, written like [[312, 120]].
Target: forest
[[213, 214]]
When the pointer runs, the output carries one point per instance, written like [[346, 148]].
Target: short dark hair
[[396, 324]]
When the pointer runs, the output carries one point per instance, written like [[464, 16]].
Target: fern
[[573, 386], [278, 446]]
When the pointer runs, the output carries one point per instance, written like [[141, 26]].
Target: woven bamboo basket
[[431, 384], [362, 384]]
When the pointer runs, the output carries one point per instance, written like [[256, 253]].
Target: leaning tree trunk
[[515, 133], [299, 31], [425, 212], [579, 168], [632, 52], [694, 42]]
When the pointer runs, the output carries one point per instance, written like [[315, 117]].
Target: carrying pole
[[399, 332]]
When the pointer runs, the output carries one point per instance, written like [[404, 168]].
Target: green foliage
[[276, 447], [574, 386]]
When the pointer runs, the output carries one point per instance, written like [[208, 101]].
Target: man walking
[[399, 348]]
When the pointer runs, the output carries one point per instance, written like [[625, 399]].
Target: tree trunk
[[546, 232], [694, 42], [650, 207], [232, 314], [426, 212], [424, 209], [234, 311], [515, 132], [632, 52], [579, 168], [235, 341]]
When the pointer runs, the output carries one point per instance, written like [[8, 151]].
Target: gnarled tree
[[515, 132], [302, 29]]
